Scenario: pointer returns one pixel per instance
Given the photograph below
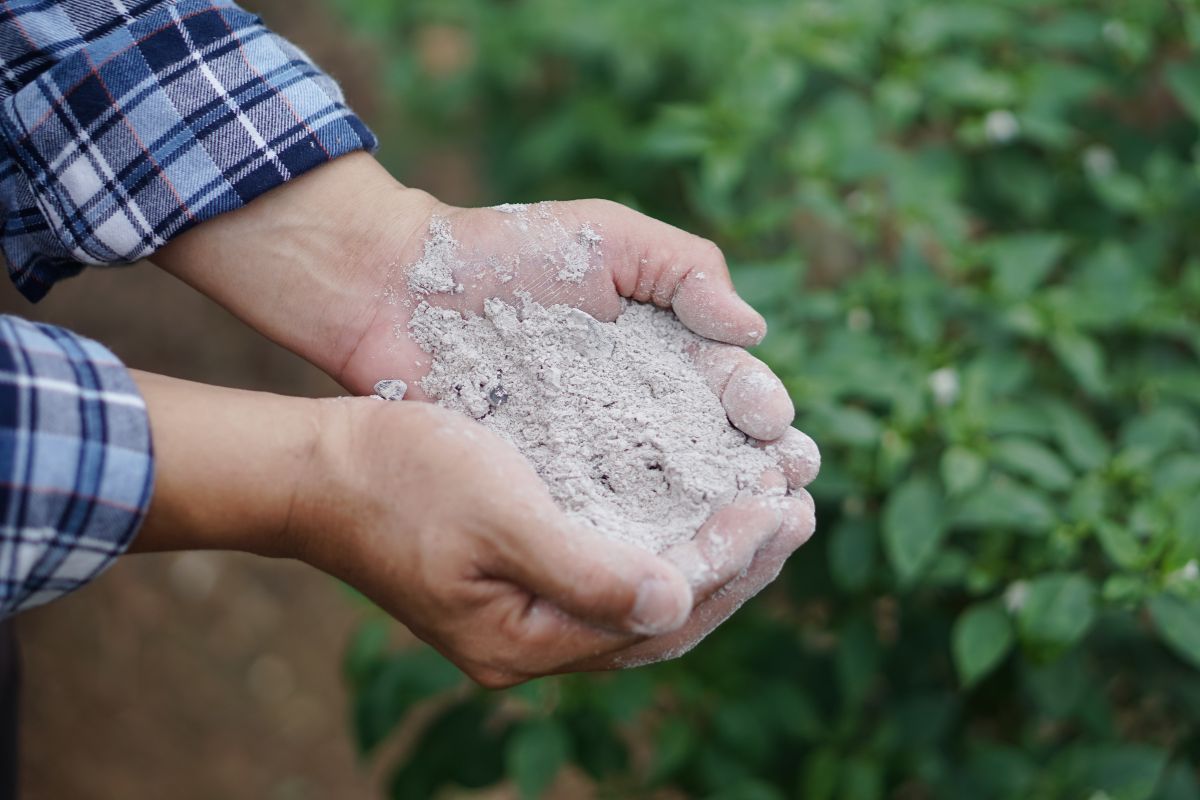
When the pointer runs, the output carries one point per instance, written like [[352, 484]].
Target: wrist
[[229, 465], [333, 505], [304, 263]]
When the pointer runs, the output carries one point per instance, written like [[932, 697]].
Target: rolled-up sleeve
[[76, 464], [123, 129]]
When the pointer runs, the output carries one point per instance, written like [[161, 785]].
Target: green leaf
[[1120, 772], [366, 651], [847, 424], [673, 746], [862, 779], [913, 526], [1178, 783], [1003, 503], [961, 469], [852, 553], [1006, 772], [1187, 541], [1121, 544], [1083, 358], [536, 752], [1021, 262], [1178, 623], [749, 789], [1057, 610], [1031, 459], [766, 285], [739, 730], [1089, 499], [1125, 590], [1161, 430], [819, 779], [596, 744], [1184, 80], [857, 661], [461, 746], [1058, 687], [394, 688], [982, 637], [1079, 438], [790, 709]]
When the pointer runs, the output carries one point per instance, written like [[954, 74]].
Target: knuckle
[[709, 251], [512, 629]]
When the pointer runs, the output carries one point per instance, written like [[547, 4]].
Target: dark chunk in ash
[[498, 396]]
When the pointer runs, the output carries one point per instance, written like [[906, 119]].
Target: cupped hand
[[446, 527], [324, 266], [332, 264], [588, 254]]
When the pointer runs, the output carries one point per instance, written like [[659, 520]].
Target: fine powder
[[614, 417]]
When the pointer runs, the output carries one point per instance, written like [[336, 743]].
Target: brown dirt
[[197, 675], [186, 676]]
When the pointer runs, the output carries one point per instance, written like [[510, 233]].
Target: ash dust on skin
[[615, 417]]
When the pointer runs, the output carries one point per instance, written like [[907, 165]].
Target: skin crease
[[440, 522]]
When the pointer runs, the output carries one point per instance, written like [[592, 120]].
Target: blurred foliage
[[975, 230]]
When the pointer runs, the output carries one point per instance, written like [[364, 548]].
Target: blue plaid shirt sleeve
[[126, 123], [76, 467]]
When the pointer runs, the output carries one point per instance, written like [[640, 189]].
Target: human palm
[[334, 265], [589, 254]]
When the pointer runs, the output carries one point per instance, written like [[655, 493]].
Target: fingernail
[[658, 608]]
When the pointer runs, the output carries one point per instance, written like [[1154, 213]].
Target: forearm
[[228, 466], [303, 264], [271, 116]]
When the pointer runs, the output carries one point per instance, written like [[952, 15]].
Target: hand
[[588, 254], [447, 528], [321, 265], [444, 526]]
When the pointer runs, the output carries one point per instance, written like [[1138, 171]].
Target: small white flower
[[1015, 596], [1099, 160], [944, 385], [859, 320], [860, 202], [1001, 126], [1190, 571], [1116, 32]]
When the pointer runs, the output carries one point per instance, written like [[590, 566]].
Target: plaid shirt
[[75, 463], [124, 123]]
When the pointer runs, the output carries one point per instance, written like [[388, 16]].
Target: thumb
[[606, 583]]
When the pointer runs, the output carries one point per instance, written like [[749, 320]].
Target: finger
[[753, 396], [661, 264], [798, 526], [722, 550], [602, 582], [797, 456], [725, 545], [529, 637]]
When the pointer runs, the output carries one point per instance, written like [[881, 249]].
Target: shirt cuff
[[76, 464], [183, 114]]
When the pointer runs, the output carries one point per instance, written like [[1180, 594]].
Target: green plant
[[975, 230]]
